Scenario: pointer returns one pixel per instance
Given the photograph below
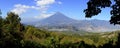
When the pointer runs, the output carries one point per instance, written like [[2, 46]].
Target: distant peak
[[58, 13]]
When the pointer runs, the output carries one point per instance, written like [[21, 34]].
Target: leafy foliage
[[11, 31], [95, 6]]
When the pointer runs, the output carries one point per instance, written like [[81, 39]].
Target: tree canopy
[[94, 8]]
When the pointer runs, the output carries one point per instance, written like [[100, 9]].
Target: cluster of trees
[[11, 31], [58, 40]]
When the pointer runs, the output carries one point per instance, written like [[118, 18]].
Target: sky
[[33, 10]]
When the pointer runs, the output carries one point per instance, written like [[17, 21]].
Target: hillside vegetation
[[13, 34]]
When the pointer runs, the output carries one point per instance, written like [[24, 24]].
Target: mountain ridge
[[60, 22]]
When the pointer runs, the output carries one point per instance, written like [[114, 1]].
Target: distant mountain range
[[60, 22]]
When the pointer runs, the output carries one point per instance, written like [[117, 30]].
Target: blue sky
[[32, 10]]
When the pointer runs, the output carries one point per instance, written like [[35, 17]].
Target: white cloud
[[44, 2], [44, 15], [40, 5], [19, 8], [59, 2], [43, 6]]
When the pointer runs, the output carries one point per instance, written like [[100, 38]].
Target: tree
[[11, 31], [95, 6], [14, 25], [13, 20]]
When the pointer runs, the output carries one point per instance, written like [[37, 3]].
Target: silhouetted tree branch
[[94, 8]]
